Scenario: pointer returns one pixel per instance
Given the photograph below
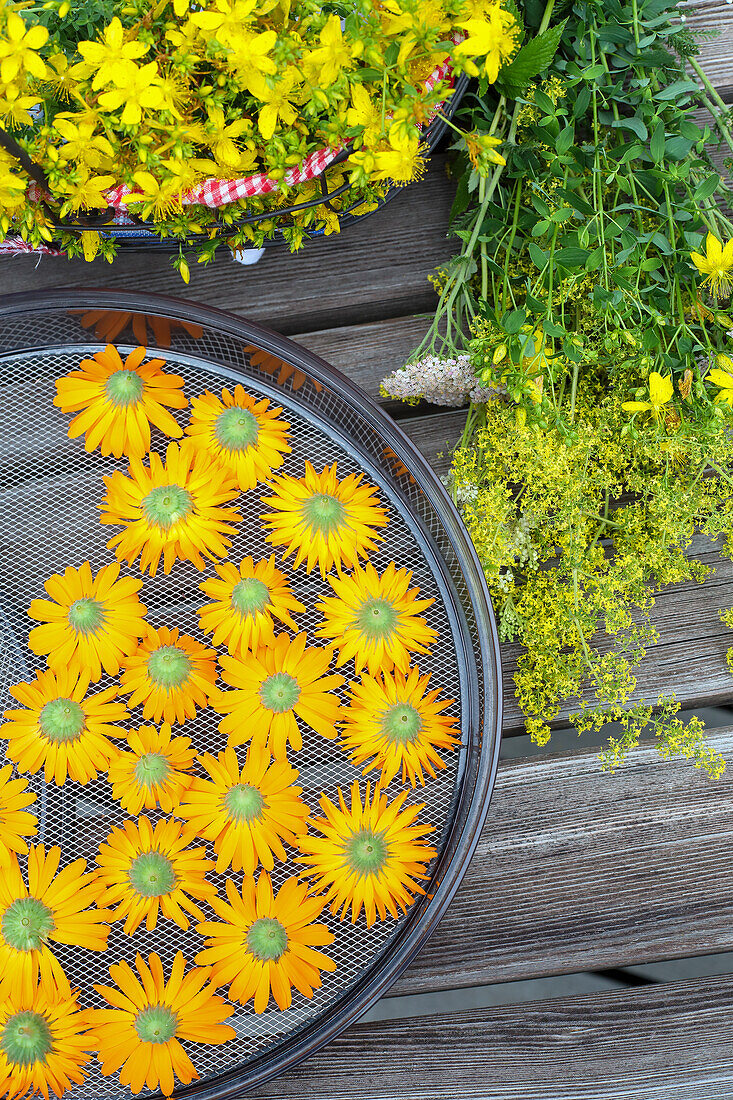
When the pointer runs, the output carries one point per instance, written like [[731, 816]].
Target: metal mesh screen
[[49, 492]]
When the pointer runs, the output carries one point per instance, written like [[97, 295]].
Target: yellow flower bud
[[184, 271], [64, 9]]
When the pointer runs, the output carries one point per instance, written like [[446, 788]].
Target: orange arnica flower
[[172, 510], [15, 821], [58, 906], [375, 619], [246, 812], [146, 870], [247, 601], [371, 856], [155, 772], [394, 723], [63, 730], [44, 1043], [245, 435], [109, 323], [119, 401], [171, 674], [90, 623], [274, 685], [267, 941], [322, 520], [141, 1033]]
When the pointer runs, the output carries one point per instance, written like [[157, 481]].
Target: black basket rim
[[405, 945]]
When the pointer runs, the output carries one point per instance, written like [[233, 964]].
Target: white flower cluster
[[440, 381]]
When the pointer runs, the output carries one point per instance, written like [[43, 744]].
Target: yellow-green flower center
[[244, 802], [152, 769], [401, 723], [249, 596], [124, 387], [280, 692], [324, 513], [267, 939], [27, 923], [152, 875], [376, 618], [167, 505], [236, 429], [61, 720], [366, 852], [169, 667], [157, 1024], [26, 1038], [86, 615]]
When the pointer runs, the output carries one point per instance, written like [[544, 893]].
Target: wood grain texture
[[716, 54], [578, 870], [376, 269], [673, 1042]]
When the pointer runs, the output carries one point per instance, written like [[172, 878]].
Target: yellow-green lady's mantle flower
[[661, 390], [722, 376], [716, 266]]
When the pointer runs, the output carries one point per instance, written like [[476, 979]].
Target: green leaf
[[656, 145], [595, 259], [675, 90], [565, 139], [539, 258], [677, 148], [535, 56], [551, 329], [572, 256], [512, 322], [462, 199], [634, 124], [707, 188], [582, 103]]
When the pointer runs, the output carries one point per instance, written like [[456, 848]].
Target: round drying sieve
[[49, 492]]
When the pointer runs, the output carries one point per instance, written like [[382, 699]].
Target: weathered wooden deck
[[575, 870]]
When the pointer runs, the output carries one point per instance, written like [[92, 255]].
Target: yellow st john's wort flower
[[172, 509], [170, 674], [15, 821], [116, 402], [370, 855], [146, 870], [105, 56], [324, 64], [481, 149], [393, 722], [324, 521], [137, 88], [141, 1033], [722, 376], [247, 601], [55, 906], [494, 38], [266, 943], [90, 623], [44, 1043], [272, 686], [243, 434], [19, 49], [246, 812], [63, 729], [155, 772], [661, 390], [375, 619], [716, 265]]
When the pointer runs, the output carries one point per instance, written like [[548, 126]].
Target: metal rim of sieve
[[477, 781]]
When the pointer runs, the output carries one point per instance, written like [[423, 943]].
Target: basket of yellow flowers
[[175, 125], [250, 680]]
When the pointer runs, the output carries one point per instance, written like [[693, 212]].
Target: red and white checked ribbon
[[215, 192]]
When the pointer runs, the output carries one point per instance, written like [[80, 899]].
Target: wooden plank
[[716, 54], [578, 870], [376, 269], [672, 1041]]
